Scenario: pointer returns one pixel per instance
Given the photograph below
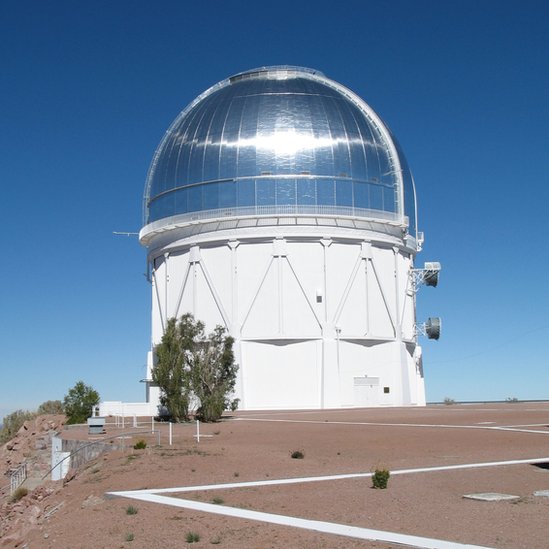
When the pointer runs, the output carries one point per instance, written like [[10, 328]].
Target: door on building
[[366, 391]]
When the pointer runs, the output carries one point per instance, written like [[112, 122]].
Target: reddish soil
[[77, 514]]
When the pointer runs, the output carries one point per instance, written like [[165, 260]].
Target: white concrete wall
[[309, 314], [127, 409]]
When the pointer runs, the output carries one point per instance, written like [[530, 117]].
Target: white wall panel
[[354, 314], [341, 259], [217, 263], [281, 376]]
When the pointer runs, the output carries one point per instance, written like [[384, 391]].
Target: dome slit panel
[[243, 99], [229, 137], [184, 142], [222, 172], [325, 191], [344, 186], [385, 178], [342, 156], [186, 130], [194, 190], [267, 106], [306, 187], [408, 190], [211, 141], [359, 166], [215, 193], [324, 162], [378, 169], [247, 138]]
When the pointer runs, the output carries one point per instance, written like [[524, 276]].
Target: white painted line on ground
[[298, 480], [376, 424], [514, 429], [306, 524], [531, 425]]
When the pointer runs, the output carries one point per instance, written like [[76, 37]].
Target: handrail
[[18, 476]]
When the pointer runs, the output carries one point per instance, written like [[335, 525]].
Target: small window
[[386, 390], [319, 299]]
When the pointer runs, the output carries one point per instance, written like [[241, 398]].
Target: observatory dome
[[278, 140]]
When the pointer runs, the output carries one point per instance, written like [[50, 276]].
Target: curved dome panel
[[279, 140]]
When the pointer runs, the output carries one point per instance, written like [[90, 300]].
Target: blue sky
[[89, 88]]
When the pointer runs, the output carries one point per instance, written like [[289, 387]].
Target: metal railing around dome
[[279, 210]]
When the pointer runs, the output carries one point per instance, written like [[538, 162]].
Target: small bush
[[131, 510], [218, 501], [448, 401], [19, 493], [297, 454], [380, 478], [130, 537], [140, 445], [13, 422], [50, 407], [192, 537]]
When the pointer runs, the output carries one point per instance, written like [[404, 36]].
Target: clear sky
[[88, 89]]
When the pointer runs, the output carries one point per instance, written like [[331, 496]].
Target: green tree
[[213, 375], [79, 402], [13, 422], [170, 372], [192, 366], [50, 407]]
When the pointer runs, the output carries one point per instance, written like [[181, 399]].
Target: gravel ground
[[258, 446]]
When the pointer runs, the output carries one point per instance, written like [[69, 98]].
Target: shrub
[[50, 407], [448, 401], [130, 537], [192, 537], [131, 510], [297, 454], [380, 478], [13, 422], [140, 445], [218, 501], [19, 493]]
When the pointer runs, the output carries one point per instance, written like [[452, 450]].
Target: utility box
[[96, 425]]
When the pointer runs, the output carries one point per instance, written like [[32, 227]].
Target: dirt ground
[[257, 446]]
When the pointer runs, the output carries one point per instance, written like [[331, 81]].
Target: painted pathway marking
[[153, 496], [377, 424], [546, 424], [306, 524], [298, 480]]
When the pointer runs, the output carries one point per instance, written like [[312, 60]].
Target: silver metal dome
[[279, 140]]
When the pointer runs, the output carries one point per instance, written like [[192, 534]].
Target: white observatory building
[[280, 206]]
